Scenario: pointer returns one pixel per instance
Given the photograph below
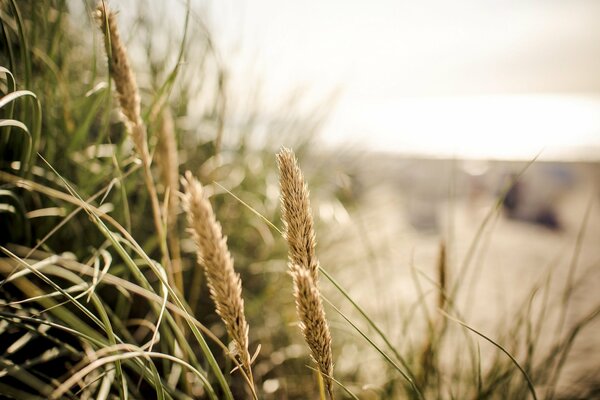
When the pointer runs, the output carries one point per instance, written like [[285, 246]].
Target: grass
[[105, 295]]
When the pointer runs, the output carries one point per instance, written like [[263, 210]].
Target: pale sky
[[437, 75], [393, 47]]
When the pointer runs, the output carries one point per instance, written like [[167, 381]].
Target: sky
[[474, 78]]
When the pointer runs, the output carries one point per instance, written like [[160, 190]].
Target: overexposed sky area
[[465, 77]]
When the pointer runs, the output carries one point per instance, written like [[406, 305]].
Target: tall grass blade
[[500, 347]]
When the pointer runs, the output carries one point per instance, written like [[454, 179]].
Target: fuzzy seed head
[[124, 78], [224, 283], [313, 322], [297, 214]]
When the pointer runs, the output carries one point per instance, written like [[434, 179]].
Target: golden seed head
[[297, 214], [224, 283], [313, 322]]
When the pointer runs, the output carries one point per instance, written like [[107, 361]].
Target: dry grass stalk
[[296, 214], [442, 275], [428, 356], [167, 159], [124, 78], [313, 322], [224, 283], [129, 101], [304, 265]]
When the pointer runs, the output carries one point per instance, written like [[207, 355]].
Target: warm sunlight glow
[[499, 126], [463, 78]]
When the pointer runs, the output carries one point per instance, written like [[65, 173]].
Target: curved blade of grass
[[11, 77], [10, 97], [15, 318], [163, 307], [118, 357], [37, 120], [124, 284], [103, 322], [12, 86], [13, 123], [34, 270], [98, 275], [500, 347], [157, 381], [64, 221], [75, 288]]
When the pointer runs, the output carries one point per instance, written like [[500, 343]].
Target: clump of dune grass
[[304, 265], [223, 282]]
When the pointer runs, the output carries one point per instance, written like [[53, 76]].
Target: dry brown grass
[[224, 283], [442, 275], [304, 265], [313, 322], [124, 78], [167, 159], [129, 100], [296, 214]]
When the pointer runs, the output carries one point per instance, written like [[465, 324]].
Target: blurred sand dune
[[408, 205]]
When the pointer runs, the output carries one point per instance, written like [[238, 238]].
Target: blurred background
[[434, 107]]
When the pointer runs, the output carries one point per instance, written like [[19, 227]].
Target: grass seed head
[[224, 283], [297, 214], [124, 78], [313, 322]]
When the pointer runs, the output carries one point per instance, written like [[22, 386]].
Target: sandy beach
[[408, 205]]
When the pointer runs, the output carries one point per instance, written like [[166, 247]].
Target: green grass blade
[[379, 350], [23, 43], [500, 347], [368, 319]]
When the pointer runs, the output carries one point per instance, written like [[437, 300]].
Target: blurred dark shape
[[526, 202], [512, 198], [422, 213], [548, 218]]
